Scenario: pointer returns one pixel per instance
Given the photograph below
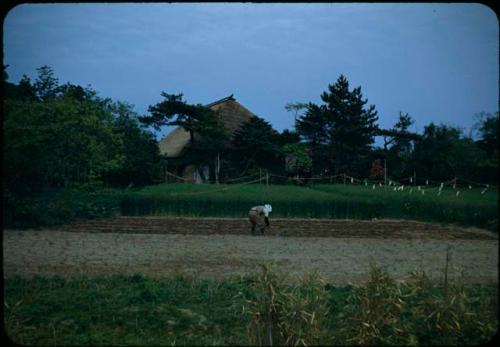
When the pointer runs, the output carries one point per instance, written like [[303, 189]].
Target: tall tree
[[351, 127], [24, 90], [398, 137], [341, 131], [398, 146], [488, 129], [46, 83], [288, 137], [57, 136], [255, 145], [312, 128], [295, 107], [206, 130], [57, 142], [443, 153], [141, 152]]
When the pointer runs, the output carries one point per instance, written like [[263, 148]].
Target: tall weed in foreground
[[292, 314], [449, 314], [417, 312], [138, 310], [374, 311]]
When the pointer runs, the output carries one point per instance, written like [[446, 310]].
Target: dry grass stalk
[[287, 314]]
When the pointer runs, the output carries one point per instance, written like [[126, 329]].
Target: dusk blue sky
[[438, 62]]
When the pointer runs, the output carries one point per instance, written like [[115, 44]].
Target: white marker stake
[[458, 192]]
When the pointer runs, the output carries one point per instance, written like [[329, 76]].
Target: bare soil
[[341, 251]]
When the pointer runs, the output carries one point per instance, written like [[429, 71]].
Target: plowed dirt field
[[341, 250]]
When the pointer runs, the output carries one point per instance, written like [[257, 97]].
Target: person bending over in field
[[259, 217]]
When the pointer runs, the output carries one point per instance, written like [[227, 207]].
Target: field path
[[341, 257]]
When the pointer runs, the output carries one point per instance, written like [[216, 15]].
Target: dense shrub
[[58, 207]]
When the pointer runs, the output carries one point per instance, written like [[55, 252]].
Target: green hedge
[[58, 207]]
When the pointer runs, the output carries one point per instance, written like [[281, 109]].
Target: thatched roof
[[232, 113]]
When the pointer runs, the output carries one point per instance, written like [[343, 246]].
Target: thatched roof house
[[232, 113], [176, 143]]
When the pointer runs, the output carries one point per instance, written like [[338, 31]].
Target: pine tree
[[350, 127], [312, 128], [401, 141], [46, 84], [256, 145], [341, 131], [208, 136]]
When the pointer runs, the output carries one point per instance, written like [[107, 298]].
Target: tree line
[[340, 135], [335, 137], [65, 135]]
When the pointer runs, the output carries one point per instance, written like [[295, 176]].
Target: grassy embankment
[[136, 310], [469, 208]]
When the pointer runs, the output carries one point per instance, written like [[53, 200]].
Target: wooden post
[[385, 171], [217, 168], [446, 270], [164, 169]]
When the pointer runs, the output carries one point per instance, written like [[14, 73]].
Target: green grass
[[469, 208], [122, 310], [136, 310]]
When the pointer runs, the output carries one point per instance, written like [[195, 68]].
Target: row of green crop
[[470, 208], [258, 309], [337, 202]]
